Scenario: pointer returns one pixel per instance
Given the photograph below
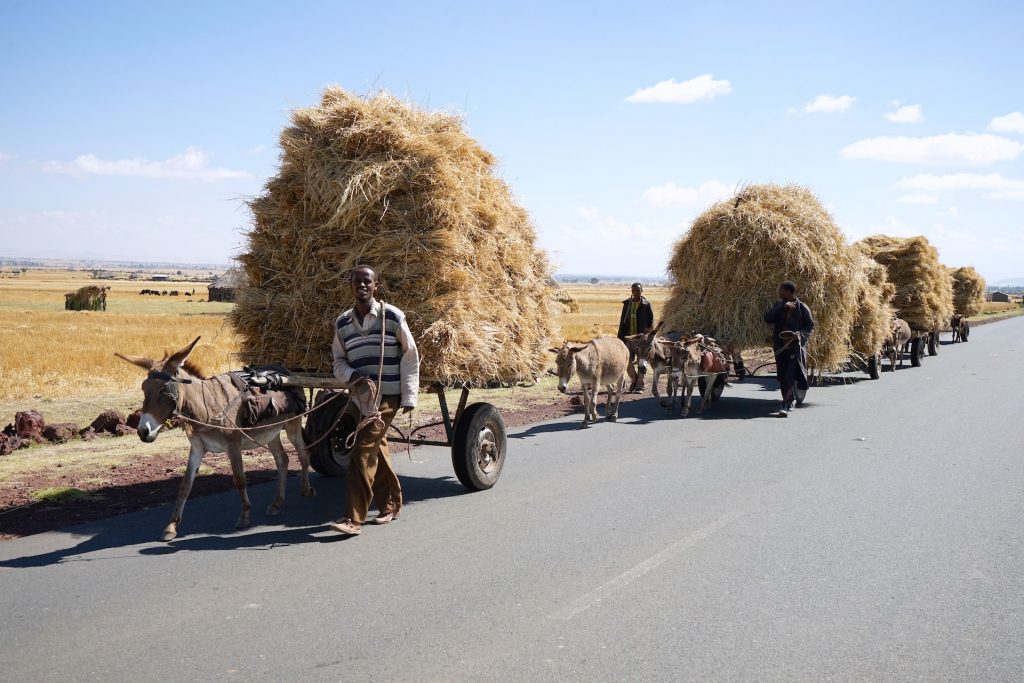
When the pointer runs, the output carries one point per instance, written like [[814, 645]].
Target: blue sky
[[136, 130]]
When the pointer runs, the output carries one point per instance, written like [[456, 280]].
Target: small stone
[[29, 424]]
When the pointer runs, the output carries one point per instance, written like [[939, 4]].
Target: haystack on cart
[[379, 181], [475, 433], [727, 266]]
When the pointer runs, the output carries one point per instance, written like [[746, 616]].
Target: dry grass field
[[600, 306], [49, 354]]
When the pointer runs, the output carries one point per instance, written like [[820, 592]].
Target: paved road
[[876, 534]]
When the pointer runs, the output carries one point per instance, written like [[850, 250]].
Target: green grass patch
[[62, 495]]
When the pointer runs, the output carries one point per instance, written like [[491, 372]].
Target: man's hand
[[790, 305], [406, 409]]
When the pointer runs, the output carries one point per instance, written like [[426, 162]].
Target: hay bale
[[727, 269], [968, 290], [924, 290], [874, 306], [567, 301], [376, 180]]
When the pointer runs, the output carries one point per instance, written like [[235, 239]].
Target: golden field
[[62, 362]]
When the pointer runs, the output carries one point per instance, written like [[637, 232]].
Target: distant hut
[[1001, 297], [225, 286]]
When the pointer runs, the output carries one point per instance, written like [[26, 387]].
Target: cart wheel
[[328, 456], [916, 352], [716, 390], [933, 343], [873, 368], [479, 447]]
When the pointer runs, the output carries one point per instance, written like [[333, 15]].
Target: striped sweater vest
[[363, 347]]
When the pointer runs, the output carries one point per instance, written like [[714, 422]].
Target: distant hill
[[1008, 282]]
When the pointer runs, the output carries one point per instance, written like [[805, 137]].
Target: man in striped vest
[[357, 353]]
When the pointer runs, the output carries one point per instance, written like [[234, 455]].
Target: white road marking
[[616, 584]]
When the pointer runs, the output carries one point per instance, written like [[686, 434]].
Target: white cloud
[[1010, 123], [909, 114], [703, 87], [952, 148], [670, 194], [192, 164], [951, 212], [588, 212], [5, 157], [919, 198], [258, 149], [997, 186], [829, 104]]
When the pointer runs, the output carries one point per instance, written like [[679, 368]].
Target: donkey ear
[[554, 351], [657, 328], [179, 358], [144, 363]]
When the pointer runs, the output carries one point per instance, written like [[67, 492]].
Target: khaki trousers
[[370, 476]]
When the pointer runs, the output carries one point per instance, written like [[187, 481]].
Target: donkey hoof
[[584, 425], [170, 532], [308, 492], [612, 418], [273, 510], [243, 522]]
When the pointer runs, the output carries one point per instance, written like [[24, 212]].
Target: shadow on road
[[208, 522]]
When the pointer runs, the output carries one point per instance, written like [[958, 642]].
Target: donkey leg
[[238, 474], [619, 390], [586, 406], [281, 460], [195, 459], [294, 430]]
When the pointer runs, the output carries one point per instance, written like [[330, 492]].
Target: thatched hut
[[924, 290], [728, 266], [225, 287], [376, 180]]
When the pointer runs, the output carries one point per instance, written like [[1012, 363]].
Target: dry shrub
[[376, 180], [874, 306], [968, 290], [924, 290], [728, 267], [567, 301]]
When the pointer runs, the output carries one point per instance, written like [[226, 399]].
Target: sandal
[[385, 517], [347, 527]]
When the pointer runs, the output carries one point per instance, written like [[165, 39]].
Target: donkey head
[[565, 361], [160, 389]]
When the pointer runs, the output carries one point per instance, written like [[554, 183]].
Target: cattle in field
[[173, 292], [599, 363]]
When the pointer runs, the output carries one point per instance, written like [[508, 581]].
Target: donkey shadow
[[208, 523]]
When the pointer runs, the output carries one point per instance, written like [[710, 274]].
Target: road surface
[[875, 534]]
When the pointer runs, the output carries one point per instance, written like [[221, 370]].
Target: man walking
[[358, 353], [637, 317], [792, 325]]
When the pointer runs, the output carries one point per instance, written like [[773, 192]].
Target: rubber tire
[[716, 391], [328, 457], [476, 418], [967, 333], [916, 352], [933, 343], [873, 367]]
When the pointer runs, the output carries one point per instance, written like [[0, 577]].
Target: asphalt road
[[876, 534]]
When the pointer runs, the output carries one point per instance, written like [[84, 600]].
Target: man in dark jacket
[[792, 324], [637, 317]]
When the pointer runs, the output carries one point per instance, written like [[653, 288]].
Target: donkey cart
[[476, 433], [919, 339]]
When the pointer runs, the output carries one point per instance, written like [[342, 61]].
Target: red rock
[[87, 434], [61, 432], [575, 401], [9, 443], [108, 421], [29, 424], [133, 419], [123, 430]]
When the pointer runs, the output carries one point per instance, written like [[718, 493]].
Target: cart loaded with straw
[[378, 181]]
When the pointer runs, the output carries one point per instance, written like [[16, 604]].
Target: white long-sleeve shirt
[[409, 364]]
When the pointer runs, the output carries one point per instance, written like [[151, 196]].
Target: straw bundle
[[874, 306], [924, 291], [728, 267], [376, 180], [968, 291]]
